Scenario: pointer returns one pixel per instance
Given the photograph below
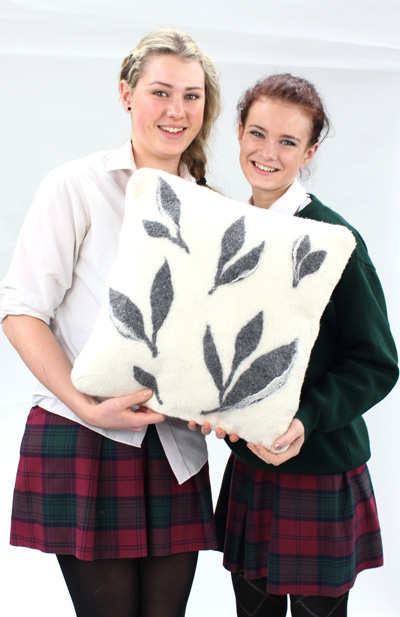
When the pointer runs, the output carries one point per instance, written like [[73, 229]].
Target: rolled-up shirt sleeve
[[47, 249]]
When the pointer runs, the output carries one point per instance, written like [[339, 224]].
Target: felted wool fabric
[[214, 305]]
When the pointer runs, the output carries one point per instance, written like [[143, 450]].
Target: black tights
[[145, 587], [253, 601]]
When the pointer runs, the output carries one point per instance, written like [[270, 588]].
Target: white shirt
[[66, 247]]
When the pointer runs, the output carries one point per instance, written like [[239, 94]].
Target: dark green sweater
[[352, 367]]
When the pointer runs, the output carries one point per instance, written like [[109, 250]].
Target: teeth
[[170, 129], [263, 168]]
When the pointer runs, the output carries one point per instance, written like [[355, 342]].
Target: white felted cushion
[[213, 304]]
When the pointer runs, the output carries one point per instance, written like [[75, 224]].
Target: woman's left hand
[[293, 438]]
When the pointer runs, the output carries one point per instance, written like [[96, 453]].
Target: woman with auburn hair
[[302, 520], [120, 495]]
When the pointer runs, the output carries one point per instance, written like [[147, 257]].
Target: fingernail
[[250, 447], [277, 446], [147, 392]]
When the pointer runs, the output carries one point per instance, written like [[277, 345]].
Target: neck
[[171, 166], [265, 199]]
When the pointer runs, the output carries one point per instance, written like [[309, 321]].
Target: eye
[[192, 96], [160, 93], [288, 142], [256, 134]]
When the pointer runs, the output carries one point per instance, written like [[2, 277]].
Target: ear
[[309, 154], [240, 132], [126, 94]]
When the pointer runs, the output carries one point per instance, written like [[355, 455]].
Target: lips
[[264, 167]]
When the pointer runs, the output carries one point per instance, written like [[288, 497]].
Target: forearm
[[43, 355]]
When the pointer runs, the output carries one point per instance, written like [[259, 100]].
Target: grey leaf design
[[242, 268], [304, 261], [161, 297], [232, 242], [212, 359], [156, 230], [168, 202], [246, 342], [265, 375], [127, 318], [147, 381]]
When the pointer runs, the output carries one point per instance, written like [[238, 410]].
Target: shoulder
[[317, 211], [79, 168]]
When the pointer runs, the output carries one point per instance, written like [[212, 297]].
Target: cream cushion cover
[[213, 304]]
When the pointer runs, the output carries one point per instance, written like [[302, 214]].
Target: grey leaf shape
[[309, 264], [147, 381], [161, 297], [246, 342], [168, 202], [212, 359], [127, 318], [156, 230], [232, 242], [242, 268], [265, 375]]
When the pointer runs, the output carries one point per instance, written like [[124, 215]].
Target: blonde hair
[[164, 41]]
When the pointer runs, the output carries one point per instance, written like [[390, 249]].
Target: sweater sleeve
[[361, 362]]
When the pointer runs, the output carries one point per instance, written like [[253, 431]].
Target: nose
[[268, 149], [175, 109]]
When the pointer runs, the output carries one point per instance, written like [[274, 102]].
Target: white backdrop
[[59, 62]]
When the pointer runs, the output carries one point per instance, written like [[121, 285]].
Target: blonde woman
[[104, 487]]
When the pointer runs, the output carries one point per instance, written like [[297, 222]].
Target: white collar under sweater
[[291, 202]]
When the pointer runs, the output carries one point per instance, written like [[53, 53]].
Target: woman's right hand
[[116, 413]]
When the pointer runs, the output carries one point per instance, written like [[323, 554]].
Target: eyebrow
[[162, 83], [261, 128]]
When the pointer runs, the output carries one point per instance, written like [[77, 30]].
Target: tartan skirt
[[82, 494], [308, 534]]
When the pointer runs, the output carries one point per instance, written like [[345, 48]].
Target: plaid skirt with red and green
[[307, 534], [82, 494]]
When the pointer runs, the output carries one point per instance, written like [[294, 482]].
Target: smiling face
[[274, 145], [167, 108]]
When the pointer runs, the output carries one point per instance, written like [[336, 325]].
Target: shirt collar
[[123, 159], [120, 159], [291, 202]]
